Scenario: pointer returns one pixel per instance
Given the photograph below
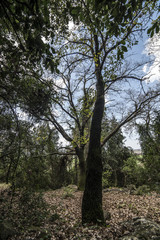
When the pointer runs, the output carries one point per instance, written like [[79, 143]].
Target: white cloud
[[71, 25], [153, 50], [59, 82], [106, 99]]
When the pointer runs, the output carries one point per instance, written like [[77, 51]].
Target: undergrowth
[[23, 208]]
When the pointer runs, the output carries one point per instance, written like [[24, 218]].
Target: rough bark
[[81, 176], [82, 169], [92, 211], [115, 179]]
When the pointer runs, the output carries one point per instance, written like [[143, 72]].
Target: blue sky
[[132, 140], [144, 48]]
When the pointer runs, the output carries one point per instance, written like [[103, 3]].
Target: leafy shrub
[[144, 189], [32, 174], [105, 178], [131, 187], [134, 171], [156, 187], [24, 209], [32, 208], [68, 192]]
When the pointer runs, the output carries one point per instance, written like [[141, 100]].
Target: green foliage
[[155, 187], [154, 27], [150, 140], [144, 170], [114, 154], [32, 207], [24, 209], [134, 170], [131, 187], [144, 189], [106, 178], [36, 97], [68, 192], [115, 17], [32, 166], [26, 31], [27, 24], [33, 174]]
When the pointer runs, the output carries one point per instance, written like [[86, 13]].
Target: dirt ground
[[64, 221]]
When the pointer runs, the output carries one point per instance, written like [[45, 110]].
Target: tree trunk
[[81, 176], [92, 199], [76, 171], [115, 178], [82, 169]]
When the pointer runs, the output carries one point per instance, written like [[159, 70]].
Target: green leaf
[[74, 11], [149, 30], [124, 49], [152, 33], [157, 29]]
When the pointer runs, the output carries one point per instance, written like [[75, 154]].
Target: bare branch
[[132, 115], [56, 153], [59, 127]]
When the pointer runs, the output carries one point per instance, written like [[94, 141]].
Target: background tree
[[30, 156], [149, 140], [134, 171], [26, 26], [73, 110], [114, 153]]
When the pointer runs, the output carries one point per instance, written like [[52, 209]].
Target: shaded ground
[[64, 219]]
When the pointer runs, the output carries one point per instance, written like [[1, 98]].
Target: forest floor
[[64, 215]]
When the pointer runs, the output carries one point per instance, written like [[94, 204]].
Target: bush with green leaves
[[144, 189], [68, 192], [106, 178], [134, 171], [114, 154], [150, 141], [35, 166], [32, 208], [24, 209]]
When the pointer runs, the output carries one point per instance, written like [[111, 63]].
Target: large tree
[[90, 58], [73, 86], [105, 30]]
